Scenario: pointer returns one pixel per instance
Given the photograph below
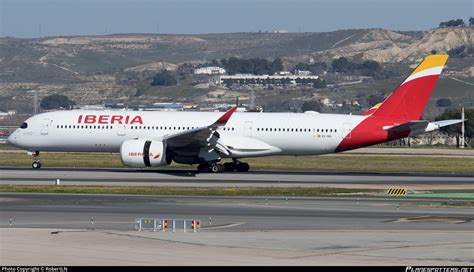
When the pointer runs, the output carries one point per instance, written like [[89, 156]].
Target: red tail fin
[[409, 100]]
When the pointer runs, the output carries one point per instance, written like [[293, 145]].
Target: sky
[[40, 18]]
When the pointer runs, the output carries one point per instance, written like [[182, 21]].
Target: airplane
[[150, 139]]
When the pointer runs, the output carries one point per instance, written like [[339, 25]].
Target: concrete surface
[[133, 177], [56, 229]]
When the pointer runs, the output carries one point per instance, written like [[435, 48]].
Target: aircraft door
[[45, 126], [248, 128], [121, 130], [346, 130]]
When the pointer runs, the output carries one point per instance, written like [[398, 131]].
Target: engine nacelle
[[143, 153]]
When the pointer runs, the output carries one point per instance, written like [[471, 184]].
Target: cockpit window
[[24, 125]]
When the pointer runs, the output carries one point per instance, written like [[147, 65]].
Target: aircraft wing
[[199, 137]]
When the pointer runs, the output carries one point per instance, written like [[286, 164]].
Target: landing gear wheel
[[202, 167], [245, 167], [36, 165], [242, 167], [216, 168], [229, 167], [36, 160]]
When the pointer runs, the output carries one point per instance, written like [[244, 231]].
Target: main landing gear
[[36, 160], [226, 167]]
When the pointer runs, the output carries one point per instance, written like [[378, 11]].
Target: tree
[[457, 52], [374, 99], [456, 129], [471, 21], [312, 105], [340, 65], [256, 66], [56, 101], [451, 23], [164, 78], [367, 68], [443, 102], [319, 83]]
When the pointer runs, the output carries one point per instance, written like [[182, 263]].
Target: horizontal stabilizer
[[439, 124], [412, 126], [418, 127]]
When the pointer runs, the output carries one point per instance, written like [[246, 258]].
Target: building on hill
[[210, 70], [248, 79]]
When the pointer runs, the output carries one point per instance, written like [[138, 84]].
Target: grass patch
[[340, 162], [367, 163], [8, 147], [458, 203], [184, 191]]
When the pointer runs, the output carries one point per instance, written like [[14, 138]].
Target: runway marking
[[430, 218], [378, 248], [224, 226]]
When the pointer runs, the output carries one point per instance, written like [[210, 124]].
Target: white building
[[303, 73], [265, 79], [5, 114], [209, 71]]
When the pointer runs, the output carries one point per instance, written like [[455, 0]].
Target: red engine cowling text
[[109, 119]]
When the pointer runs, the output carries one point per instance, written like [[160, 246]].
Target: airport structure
[[248, 79], [209, 71]]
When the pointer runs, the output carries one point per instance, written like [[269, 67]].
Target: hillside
[[93, 69], [388, 46]]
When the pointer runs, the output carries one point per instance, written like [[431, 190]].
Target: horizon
[[217, 33], [52, 18]]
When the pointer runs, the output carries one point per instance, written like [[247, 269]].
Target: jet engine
[[144, 153]]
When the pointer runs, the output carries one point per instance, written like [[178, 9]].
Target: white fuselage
[[105, 131]]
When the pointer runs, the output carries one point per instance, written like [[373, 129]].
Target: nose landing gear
[[36, 160]]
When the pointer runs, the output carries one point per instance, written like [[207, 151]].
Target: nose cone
[[12, 138]]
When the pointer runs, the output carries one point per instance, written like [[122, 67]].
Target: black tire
[[214, 168], [242, 167], [201, 168], [229, 167], [221, 168], [36, 165]]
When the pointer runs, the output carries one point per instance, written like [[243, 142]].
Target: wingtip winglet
[[225, 117]]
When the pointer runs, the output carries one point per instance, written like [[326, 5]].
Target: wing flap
[[199, 137]]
